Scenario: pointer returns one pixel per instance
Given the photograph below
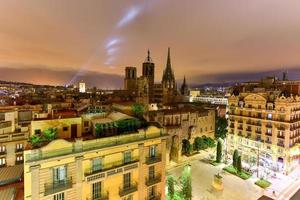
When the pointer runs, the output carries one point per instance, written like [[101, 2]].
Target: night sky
[[61, 42]]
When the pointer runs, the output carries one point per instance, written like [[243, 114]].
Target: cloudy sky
[[60, 41]]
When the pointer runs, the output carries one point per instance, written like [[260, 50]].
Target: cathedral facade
[[144, 88]]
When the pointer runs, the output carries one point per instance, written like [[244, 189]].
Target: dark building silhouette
[[148, 72], [184, 90]]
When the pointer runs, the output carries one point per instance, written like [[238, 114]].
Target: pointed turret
[[168, 75], [148, 58], [184, 88]]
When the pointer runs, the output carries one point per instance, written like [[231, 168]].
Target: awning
[[11, 174], [8, 193]]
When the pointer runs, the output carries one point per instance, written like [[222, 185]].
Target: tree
[[50, 134], [209, 142], [239, 164], [190, 148], [221, 128], [171, 188], [186, 183], [235, 158], [197, 143], [35, 140], [138, 110], [219, 151], [99, 130]]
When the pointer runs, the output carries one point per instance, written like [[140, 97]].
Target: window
[[151, 192], [59, 196], [129, 197], [151, 172], [37, 131], [19, 146], [2, 162], [96, 164], [269, 116], [19, 158], [152, 151], [2, 149], [59, 174], [269, 131], [65, 128], [86, 123], [259, 106], [127, 180], [127, 156], [96, 190]]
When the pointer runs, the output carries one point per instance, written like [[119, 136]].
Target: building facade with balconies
[[126, 166], [265, 128]]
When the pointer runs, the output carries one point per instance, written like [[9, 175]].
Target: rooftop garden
[[38, 140], [119, 127]]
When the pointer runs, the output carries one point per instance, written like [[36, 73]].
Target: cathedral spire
[[169, 58], [168, 78], [148, 59]]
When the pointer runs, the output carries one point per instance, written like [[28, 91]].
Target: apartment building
[[126, 167], [14, 133], [265, 128]]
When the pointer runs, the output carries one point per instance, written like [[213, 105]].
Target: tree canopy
[[221, 128]]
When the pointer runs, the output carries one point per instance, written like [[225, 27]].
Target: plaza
[[234, 187]]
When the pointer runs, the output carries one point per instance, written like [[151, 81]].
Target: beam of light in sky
[[131, 14], [111, 45]]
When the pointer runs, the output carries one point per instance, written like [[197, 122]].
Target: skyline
[[99, 39]]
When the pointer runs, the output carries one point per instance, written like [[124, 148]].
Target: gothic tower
[[168, 82], [148, 72], [130, 79], [184, 88], [168, 79]]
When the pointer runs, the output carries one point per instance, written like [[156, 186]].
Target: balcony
[[280, 136], [128, 189], [19, 150], [269, 125], [258, 131], [109, 166], [269, 134], [280, 144], [101, 196], [268, 141], [153, 159], [240, 128], [19, 162], [153, 180], [248, 129], [294, 128], [3, 165], [281, 128], [154, 197], [58, 186], [2, 153]]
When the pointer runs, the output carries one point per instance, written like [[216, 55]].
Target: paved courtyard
[[234, 187]]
